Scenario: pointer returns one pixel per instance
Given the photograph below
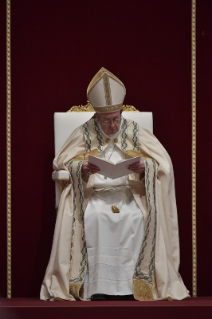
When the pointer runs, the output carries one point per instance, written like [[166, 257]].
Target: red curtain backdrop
[[204, 145], [57, 47]]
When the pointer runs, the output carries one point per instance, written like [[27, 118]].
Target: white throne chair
[[65, 123]]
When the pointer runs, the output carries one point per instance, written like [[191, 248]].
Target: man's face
[[110, 122]]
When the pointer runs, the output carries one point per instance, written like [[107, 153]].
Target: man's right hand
[[88, 169]]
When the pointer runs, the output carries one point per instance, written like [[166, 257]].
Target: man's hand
[[88, 169], [137, 167]]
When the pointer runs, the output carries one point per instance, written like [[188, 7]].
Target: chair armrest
[[60, 175]]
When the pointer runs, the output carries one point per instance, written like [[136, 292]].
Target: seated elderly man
[[114, 237]]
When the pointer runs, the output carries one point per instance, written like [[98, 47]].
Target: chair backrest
[[65, 123]]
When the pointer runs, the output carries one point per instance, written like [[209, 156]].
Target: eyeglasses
[[108, 122]]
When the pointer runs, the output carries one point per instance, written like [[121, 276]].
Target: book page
[[106, 168], [113, 170]]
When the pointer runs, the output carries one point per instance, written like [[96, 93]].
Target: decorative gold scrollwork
[[89, 108], [82, 108]]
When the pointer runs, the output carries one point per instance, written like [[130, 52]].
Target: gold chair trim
[[89, 108], [193, 152]]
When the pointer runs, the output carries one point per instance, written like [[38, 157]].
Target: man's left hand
[[137, 167]]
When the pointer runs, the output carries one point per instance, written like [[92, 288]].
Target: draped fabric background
[[204, 145], [57, 47]]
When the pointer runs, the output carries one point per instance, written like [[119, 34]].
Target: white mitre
[[106, 92]]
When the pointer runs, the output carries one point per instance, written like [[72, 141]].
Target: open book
[[113, 170]]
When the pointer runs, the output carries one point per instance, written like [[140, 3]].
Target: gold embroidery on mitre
[[142, 290], [85, 156], [107, 109], [106, 83], [76, 290], [135, 153]]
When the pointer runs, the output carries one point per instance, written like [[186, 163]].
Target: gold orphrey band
[[193, 106], [8, 143]]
